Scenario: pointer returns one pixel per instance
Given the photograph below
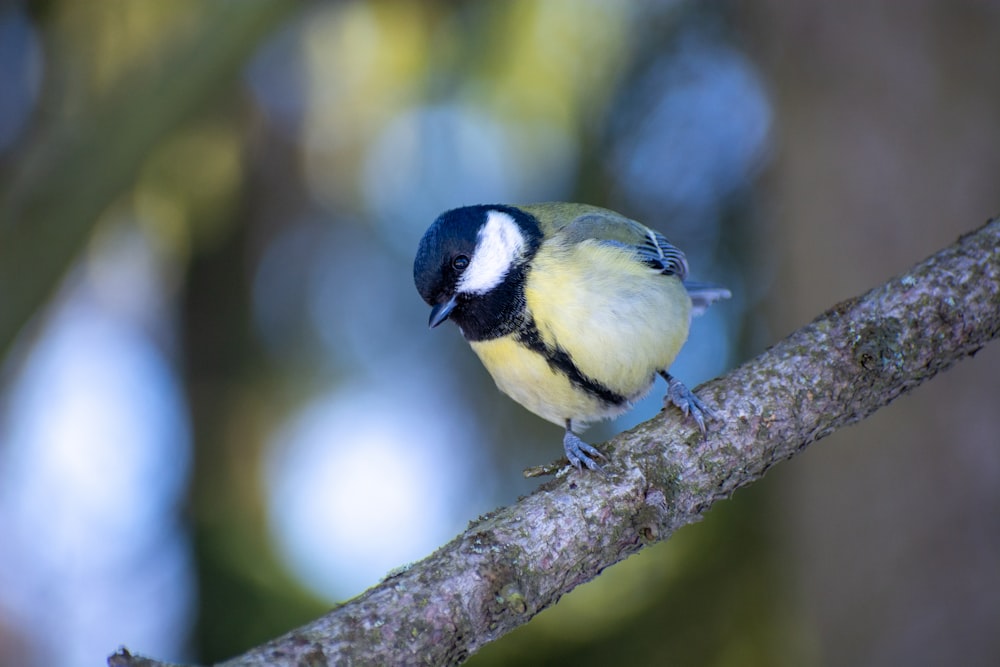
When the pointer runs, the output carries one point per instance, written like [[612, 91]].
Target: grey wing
[[662, 255], [650, 246]]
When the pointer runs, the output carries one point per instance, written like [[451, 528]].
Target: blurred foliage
[[127, 76]]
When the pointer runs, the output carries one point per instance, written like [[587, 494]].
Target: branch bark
[[513, 563]]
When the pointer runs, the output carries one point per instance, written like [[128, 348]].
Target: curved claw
[[579, 452], [689, 404]]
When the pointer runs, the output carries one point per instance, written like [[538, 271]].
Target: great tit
[[573, 309]]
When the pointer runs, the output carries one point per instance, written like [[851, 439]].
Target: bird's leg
[[578, 452], [684, 399]]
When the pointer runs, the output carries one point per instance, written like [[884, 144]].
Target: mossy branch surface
[[516, 561]]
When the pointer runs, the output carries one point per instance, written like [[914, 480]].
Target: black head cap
[[452, 235]]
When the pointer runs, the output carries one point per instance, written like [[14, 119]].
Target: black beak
[[440, 312]]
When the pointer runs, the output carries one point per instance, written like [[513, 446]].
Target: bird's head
[[470, 267]]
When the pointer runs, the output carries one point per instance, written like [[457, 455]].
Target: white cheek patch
[[499, 245]]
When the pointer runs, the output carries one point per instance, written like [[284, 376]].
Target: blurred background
[[221, 411]]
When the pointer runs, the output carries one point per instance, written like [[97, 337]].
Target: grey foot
[[579, 453], [684, 399]]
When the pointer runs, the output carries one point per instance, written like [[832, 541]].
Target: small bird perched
[[573, 309]]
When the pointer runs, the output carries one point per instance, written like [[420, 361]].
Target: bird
[[573, 309]]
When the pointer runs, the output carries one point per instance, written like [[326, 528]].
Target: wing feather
[[650, 246]]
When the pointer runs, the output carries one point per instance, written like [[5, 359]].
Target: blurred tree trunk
[[889, 148], [245, 593]]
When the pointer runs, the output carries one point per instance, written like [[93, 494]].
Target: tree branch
[[515, 562]]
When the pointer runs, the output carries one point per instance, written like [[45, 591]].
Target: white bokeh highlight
[[361, 482]]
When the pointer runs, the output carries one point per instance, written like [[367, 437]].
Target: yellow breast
[[530, 380], [619, 321]]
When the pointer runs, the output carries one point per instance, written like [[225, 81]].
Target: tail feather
[[704, 295]]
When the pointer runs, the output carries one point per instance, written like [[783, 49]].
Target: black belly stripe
[[560, 361]]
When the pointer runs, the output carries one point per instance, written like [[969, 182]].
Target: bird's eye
[[460, 263]]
